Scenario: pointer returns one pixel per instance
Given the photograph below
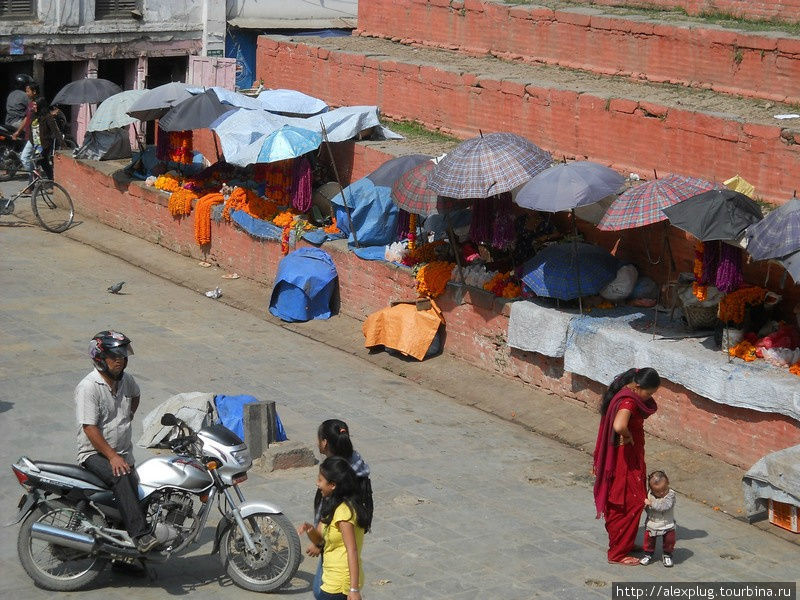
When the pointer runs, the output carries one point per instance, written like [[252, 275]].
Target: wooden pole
[[339, 181]]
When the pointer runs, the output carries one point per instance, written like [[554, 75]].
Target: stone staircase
[[621, 87]]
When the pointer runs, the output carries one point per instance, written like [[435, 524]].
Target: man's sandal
[[628, 561]]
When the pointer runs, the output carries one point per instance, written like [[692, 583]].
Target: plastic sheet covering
[[105, 145], [776, 476], [195, 408]]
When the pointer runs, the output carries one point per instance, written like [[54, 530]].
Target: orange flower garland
[[251, 203], [795, 369], [180, 202], [502, 285], [412, 232], [423, 253], [168, 183], [700, 291], [285, 218], [332, 228], [732, 306], [432, 278], [202, 217], [744, 350]]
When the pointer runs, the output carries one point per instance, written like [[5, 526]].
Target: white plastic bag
[[622, 285]]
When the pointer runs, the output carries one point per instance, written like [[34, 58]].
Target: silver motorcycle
[[71, 527]]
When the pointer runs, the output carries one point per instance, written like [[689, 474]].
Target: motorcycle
[[10, 162], [71, 527]]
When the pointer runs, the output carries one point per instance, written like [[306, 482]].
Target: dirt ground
[[744, 109]]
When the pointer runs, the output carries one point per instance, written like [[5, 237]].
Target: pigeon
[[114, 289]]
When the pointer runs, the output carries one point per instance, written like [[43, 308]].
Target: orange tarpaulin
[[404, 328]]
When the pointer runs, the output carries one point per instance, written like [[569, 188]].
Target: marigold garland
[[412, 232], [251, 203], [332, 228], [180, 202], [744, 350], [287, 231], [795, 369], [168, 183], [503, 285], [732, 306], [202, 217], [432, 278], [699, 290], [285, 218], [423, 253]]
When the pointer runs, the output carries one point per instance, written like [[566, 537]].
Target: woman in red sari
[[620, 486]]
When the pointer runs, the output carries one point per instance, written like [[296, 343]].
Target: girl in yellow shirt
[[339, 534]]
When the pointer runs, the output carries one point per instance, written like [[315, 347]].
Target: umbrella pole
[[577, 262], [216, 146], [339, 181]]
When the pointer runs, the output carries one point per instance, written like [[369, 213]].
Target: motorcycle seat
[[74, 471]]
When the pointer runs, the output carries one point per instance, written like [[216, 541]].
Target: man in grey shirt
[[105, 402], [17, 102]]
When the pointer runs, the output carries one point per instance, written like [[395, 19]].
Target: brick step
[[647, 46], [787, 11], [631, 126]]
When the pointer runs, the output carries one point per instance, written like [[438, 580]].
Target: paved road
[[467, 505]]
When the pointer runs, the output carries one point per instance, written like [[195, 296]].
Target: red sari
[[621, 486]]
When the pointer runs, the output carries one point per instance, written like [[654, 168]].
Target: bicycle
[[51, 203]]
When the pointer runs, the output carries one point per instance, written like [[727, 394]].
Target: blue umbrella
[[288, 142], [568, 186], [569, 271], [777, 234]]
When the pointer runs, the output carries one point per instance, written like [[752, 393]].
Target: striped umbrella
[[488, 165], [642, 205], [778, 234], [411, 193]]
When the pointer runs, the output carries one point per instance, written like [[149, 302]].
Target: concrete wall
[[476, 329], [761, 65]]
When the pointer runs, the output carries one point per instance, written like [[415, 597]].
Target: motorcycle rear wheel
[[10, 163], [55, 567], [276, 561]]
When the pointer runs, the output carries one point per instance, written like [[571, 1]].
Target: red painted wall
[[747, 64], [476, 330], [779, 10], [626, 134]]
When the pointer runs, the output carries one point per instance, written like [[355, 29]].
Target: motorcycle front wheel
[[275, 560], [53, 567], [10, 163]]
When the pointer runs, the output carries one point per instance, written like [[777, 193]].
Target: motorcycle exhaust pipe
[[62, 537]]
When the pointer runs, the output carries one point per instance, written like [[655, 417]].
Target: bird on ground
[[114, 289]]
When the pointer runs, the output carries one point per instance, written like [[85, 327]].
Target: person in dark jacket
[[48, 136]]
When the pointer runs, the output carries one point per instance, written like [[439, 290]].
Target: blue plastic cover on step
[[304, 286]]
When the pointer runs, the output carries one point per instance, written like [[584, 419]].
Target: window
[[114, 9], [17, 8]]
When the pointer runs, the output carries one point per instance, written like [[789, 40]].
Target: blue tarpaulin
[[241, 45], [231, 414], [304, 286], [373, 212]]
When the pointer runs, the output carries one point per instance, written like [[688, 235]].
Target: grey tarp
[[197, 409], [105, 145], [776, 476]]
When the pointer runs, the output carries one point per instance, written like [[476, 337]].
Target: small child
[[660, 522]]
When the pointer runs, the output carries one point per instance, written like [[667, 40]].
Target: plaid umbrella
[[488, 165], [778, 234], [410, 192], [715, 215], [642, 205], [569, 271]]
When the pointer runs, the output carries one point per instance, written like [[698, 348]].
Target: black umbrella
[[86, 91], [715, 215], [391, 170], [198, 112]]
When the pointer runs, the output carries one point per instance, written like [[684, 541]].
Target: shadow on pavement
[[684, 533]]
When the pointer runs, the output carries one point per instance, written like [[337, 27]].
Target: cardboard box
[[784, 515]]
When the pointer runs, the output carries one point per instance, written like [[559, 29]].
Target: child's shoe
[[646, 559], [667, 560]]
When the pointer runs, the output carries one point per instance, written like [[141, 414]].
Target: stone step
[[631, 126], [787, 11], [649, 45]]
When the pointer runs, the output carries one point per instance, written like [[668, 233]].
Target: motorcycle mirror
[[169, 419]]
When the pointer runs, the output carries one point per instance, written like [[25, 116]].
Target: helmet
[[107, 344], [23, 80]]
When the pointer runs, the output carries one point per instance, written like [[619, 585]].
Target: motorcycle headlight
[[242, 457]]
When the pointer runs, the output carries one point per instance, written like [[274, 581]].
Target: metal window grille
[[114, 9], [17, 8]]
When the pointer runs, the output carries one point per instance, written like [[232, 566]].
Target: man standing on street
[[17, 102], [25, 127], [105, 402]]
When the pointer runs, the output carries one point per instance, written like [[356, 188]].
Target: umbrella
[[410, 192], [159, 100], [391, 170], [89, 90], [568, 186], [715, 215], [198, 112], [569, 271], [642, 205], [291, 102], [488, 165], [792, 264], [113, 112], [778, 234], [288, 142]]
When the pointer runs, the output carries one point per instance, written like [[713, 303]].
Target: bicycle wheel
[[52, 206], [9, 164]]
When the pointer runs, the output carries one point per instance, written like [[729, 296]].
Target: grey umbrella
[[90, 90], [568, 186], [391, 170], [158, 101], [198, 112], [715, 215], [792, 265], [778, 234]]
